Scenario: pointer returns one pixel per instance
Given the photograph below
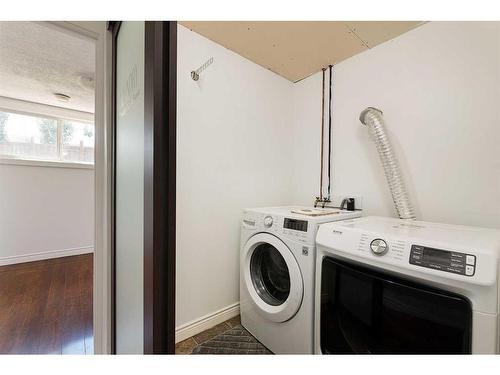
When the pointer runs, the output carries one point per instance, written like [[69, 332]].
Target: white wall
[[233, 139], [438, 86], [45, 212]]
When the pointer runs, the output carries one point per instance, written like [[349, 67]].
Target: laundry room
[[366, 119]]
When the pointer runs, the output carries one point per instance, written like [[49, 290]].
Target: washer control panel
[[443, 260]]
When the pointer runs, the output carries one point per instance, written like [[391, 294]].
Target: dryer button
[[379, 246], [470, 260], [469, 270]]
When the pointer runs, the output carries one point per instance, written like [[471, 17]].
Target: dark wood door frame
[[160, 186], [160, 93]]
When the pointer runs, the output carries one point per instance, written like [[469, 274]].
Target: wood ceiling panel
[[297, 49], [376, 32]]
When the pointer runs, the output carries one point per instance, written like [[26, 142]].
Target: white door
[[272, 277]]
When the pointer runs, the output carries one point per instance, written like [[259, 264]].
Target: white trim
[[44, 163], [199, 325], [24, 107], [45, 255], [102, 172]]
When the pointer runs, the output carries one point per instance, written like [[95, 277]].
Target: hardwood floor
[[46, 307]]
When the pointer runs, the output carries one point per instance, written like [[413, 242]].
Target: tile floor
[[187, 346], [236, 341]]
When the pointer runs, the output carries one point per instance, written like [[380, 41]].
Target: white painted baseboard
[[205, 322], [45, 255]]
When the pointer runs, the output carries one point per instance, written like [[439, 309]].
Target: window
[[77, 142], [31, 137]]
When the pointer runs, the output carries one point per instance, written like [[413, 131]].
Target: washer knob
[[268, 221], [379, 246]]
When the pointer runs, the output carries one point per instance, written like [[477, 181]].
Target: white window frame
[[60, 115]]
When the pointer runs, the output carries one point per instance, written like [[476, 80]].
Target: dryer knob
[[268, 221], [379, 247]]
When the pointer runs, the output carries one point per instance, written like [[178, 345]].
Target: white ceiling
[[37, 61]]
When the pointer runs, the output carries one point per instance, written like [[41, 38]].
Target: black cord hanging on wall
[[330, 132], [323, 200]]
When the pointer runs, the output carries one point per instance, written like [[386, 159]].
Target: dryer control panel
[[417, 249], [443, 260]]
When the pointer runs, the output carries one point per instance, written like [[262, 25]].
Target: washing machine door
[[272, 277]]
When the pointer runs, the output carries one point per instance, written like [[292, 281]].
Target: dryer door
[[272, 277]]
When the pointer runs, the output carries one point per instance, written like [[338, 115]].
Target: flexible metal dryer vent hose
[[373, 119]]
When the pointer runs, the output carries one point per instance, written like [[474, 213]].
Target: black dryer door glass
[[363, 311]]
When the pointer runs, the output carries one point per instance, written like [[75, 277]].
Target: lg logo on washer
[[338, 232]]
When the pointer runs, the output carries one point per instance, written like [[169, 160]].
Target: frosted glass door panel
[[129, 187]]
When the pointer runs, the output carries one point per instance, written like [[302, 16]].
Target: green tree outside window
[[48, 130], [3, 121]]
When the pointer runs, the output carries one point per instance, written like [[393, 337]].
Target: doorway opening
[[47, 138]]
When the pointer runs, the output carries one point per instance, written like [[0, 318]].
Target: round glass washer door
[[272, 277]]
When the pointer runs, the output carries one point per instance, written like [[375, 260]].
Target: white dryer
[[277, 262], [389, 286]]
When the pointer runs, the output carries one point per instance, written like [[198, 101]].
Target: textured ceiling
[[37, 61], [297, 49]]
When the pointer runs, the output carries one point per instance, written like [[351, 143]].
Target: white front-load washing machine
[[392, 286], [277, 262]]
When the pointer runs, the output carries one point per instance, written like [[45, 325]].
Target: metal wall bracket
[[195, 74]]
